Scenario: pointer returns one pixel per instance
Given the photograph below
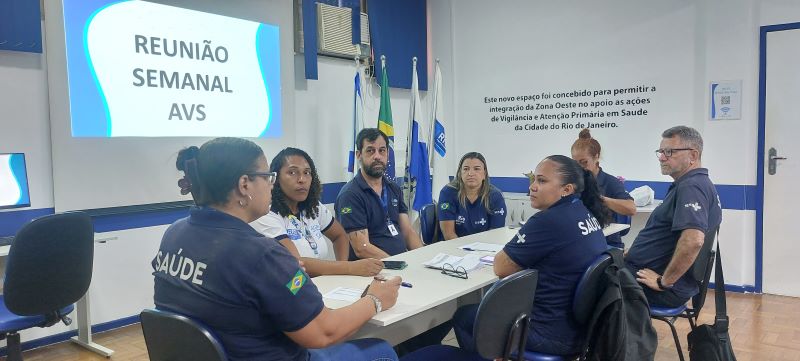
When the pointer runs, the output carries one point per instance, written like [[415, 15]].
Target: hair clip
[[185, 184]]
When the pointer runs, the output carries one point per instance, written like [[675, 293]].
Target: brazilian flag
[[385, 121]]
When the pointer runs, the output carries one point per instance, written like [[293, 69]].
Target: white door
[[781, 242]]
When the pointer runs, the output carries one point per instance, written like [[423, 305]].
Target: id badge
[[392, 229]]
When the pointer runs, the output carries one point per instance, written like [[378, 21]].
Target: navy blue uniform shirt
[[611, 187], [692, 202], [247, 288], [560, 242], [359, 207], [473, 218]]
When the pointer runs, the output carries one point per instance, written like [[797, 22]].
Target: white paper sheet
[[344, 294]]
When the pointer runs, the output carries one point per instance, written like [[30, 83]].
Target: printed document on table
[[344, 294], [482, 246], [469, 262]]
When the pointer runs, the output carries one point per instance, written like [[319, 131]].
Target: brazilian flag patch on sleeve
[[297, 282]]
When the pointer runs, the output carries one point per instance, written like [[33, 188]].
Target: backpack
[[620, 327]]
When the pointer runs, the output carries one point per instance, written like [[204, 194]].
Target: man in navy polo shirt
[[371, 208], [668, 245]]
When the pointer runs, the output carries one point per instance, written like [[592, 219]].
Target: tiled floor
[[763, 327]]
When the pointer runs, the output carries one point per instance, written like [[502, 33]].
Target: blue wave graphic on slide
[[267, 38], [14, 185], [88, 106]]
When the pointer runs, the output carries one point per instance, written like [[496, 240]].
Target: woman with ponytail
[[586, 151], [560, 241]]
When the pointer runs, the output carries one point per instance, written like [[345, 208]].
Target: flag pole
[[408, 184]]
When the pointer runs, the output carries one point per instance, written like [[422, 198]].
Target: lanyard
[[385, 203], [302, 227]]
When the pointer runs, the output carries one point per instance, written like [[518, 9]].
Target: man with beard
[[371, 208]]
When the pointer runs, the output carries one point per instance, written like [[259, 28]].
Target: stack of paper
[[469, 262], [487, 260]]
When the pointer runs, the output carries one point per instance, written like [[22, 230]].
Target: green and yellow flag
[[385, 123]]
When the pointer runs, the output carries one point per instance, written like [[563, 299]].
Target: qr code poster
[[726, 100]]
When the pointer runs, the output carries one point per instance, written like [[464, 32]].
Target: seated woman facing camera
[[470, 204], [560, 242], [249, 290], [298, 219]]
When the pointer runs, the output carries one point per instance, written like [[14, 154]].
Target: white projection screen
[[132, 82]]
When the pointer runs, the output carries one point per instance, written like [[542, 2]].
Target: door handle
[[772, 167]]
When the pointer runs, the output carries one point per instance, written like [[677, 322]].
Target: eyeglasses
[[668, 152], [269, 176], [451, 271]]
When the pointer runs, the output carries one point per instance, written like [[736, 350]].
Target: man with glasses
[[665, 249]]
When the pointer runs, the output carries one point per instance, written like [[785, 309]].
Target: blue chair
[[173, 337], [48, 269], [701, 270], [429, 224], [618, 218]]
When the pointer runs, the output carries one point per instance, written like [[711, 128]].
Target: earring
[[242, 203]]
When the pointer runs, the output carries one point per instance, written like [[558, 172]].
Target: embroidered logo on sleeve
[[501, 211], [297, 282], [444, 206], [520, 237], [346, 210], [695, 206]]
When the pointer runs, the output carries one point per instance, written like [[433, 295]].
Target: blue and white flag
[[418, 169], [358, 120], [440, 171]]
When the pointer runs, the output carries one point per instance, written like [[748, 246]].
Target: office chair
[[701, 270], [429, 224], [497, 313], [48, 269], [173, 337]]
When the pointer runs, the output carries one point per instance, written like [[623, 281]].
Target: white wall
[[526, 47]]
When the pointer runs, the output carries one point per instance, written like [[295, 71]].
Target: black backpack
[[620, 327]]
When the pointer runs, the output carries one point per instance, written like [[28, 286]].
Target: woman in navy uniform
[[470, 204], [256, 297], [298, 220], [560, 241], [586, 151]]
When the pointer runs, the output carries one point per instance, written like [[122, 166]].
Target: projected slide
[[13, 181], [140, 69]]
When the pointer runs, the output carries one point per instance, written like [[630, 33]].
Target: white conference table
[[434, 296]]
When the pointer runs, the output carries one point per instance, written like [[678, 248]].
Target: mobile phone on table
[[394, 264]]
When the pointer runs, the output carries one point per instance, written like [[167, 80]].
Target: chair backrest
[[588, 290], [700, 298], [49, 265], [502, 306], [702, 268], [428, 224], [173, 337]]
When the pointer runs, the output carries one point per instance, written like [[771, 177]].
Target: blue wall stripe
[[65, 336], [740, 197], [733, 196], [310, 38], [11, 222]]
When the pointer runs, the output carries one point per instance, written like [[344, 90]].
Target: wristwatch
[[377, 302], [661, 285]]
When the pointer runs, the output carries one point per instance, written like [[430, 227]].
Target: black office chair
[[429, 224], [701, 270], [507, 306], [173, 337], [48, 269]]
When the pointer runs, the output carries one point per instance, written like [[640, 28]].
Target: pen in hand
[[404, 284]]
